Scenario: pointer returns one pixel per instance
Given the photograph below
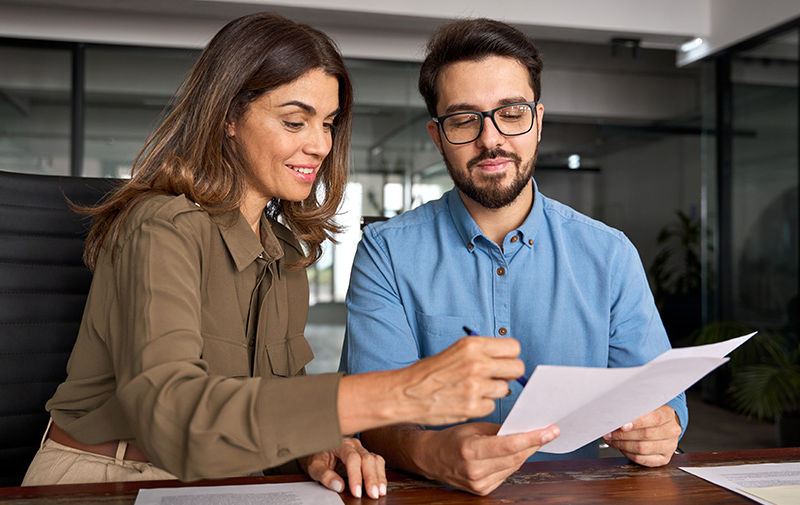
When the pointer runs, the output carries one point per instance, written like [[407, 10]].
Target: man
[[498, 257]]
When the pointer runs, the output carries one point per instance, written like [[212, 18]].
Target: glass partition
[[35, 88], [127, 89], [764, 199]]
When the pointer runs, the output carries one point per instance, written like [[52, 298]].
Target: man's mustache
[[492, 154]]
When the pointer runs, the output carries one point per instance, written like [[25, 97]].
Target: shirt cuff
[[678, 404], [298, 416]]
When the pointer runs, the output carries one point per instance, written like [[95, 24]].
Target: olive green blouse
[[192, 347]]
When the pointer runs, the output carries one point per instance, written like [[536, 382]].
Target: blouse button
[[502, 331], [501, 271]]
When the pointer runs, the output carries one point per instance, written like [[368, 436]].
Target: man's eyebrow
[[466, 107], [308, 108]]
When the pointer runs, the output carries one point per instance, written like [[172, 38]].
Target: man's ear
[[539, 118], [435, 133]]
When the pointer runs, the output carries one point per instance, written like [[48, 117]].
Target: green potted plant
[[715, 386], [676, 276], [769, 388]]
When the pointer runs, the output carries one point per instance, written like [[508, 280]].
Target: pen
[[522, 380]]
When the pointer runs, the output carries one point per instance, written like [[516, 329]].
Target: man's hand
[[472, 458], [650, 440], [354, 461]]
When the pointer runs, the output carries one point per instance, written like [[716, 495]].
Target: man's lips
[[493, 165]]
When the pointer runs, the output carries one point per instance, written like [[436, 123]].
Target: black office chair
[[43, 288]]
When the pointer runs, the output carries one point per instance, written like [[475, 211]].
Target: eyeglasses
[[510, 120]]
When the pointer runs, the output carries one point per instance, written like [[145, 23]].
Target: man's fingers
[[492, 447], [524, 442]]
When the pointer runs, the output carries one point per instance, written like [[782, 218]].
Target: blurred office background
[[676, 118]]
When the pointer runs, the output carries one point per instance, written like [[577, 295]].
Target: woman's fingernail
[[337, 486], [373, 492], [383, 489], [357, 492]]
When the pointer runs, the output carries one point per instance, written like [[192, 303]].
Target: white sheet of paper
[[294, 493], [765, 483], [586, 403]]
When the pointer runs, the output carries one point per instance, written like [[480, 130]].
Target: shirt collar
[[469, 230], [242, 243]]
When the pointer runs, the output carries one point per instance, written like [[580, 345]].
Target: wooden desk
[[591, 481]]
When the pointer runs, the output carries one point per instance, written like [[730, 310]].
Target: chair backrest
[[43, 288]]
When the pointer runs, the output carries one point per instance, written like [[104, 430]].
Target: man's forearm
[[400, 446]]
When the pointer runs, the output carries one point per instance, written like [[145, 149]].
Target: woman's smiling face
[[285, 135]]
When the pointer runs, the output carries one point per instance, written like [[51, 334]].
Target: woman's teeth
[[302, 170]]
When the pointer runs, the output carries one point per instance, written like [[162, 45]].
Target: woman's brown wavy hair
[[190, 154]]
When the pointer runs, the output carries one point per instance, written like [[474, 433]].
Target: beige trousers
[[58, 464]]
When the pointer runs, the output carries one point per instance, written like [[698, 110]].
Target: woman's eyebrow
[[304, 106], [309, 108]]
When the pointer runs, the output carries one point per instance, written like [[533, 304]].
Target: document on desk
[[294, 493], [586, 403], [765, 483]]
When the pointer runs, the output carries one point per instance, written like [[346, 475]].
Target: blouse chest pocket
[[226, 357], [288, 357]]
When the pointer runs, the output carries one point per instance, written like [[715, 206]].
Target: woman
[[189, 360]]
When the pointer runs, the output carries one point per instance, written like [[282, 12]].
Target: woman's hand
[[459, 383], [352, 460]]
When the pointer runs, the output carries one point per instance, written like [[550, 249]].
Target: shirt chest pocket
[[226, 357], [288, 357], [437, 332]]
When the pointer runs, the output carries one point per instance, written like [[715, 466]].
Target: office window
[[127, 89], [35, 87], [751, 183], [764, 184]]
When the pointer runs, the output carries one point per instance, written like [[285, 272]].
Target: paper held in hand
[[587, 403]]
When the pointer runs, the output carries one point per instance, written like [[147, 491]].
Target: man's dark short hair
[[473, 40]]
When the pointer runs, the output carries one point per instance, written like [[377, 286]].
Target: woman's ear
[[230, 129]]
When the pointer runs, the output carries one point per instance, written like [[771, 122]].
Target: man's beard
[[491, 194]]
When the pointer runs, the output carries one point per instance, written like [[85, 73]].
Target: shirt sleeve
[[188, 422], [378, 334], [637, 334]]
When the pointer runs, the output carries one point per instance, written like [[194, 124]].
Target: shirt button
[[501, 271], [530, 241], [514, 238], [502, 331], [470, 246]]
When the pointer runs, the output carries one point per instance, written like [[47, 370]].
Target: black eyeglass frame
[[490, 114]]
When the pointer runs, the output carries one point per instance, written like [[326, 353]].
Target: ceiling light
[[692, 44]]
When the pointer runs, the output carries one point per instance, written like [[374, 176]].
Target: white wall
[[732, 21]]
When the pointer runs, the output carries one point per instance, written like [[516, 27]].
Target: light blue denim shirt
[[571, 289]]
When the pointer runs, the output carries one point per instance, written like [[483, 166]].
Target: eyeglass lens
[[466, 126]]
